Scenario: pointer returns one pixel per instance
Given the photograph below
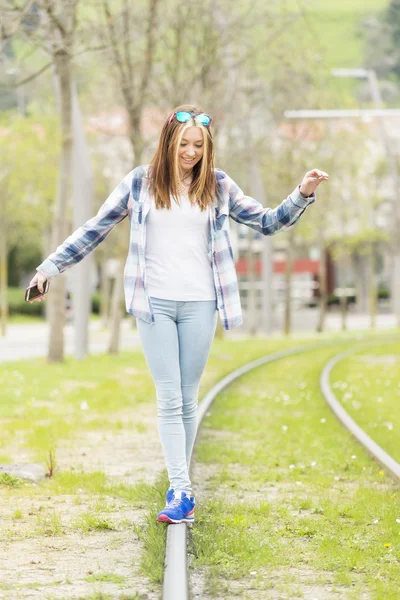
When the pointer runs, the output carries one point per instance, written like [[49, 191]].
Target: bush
[[335, 300], [96, 303], [383, 294]]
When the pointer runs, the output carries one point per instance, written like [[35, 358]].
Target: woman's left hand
[[311, 181]]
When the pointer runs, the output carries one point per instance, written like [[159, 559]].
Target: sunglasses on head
[[183, 116]]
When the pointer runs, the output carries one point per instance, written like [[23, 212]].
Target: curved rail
[[373, 448], [176, 580]]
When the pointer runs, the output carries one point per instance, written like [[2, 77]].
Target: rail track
[[176, 577]]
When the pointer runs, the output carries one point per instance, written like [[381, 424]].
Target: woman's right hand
[[39, 279]]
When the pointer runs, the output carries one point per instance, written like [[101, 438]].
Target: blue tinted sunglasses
[[183, 116]]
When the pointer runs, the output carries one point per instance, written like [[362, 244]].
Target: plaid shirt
[[131, 198]]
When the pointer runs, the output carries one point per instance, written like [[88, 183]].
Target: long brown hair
[[164, 167]]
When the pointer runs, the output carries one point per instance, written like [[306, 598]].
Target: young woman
[[180, 271]]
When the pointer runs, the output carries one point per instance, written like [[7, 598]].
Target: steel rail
[[372, 447]]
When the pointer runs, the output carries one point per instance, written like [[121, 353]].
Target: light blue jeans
[[176, 348]]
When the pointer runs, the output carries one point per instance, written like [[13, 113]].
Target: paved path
[[305, 320], [31, 340]]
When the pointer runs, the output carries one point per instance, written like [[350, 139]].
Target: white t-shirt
[[177, 262]]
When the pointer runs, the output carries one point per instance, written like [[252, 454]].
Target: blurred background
[[292, 85]]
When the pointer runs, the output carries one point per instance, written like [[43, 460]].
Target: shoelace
[[175, 502]]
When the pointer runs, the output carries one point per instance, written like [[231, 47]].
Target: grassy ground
[[43, 403], [24, 319], [368, 386], [93, 423], [17, 319], [98, 417], [289, 505]]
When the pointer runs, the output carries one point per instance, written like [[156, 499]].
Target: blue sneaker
[[170, 495], [180, 509]]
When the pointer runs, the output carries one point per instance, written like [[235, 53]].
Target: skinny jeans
[[176, 348]]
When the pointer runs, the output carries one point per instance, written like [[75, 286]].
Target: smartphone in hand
[[34, 292]]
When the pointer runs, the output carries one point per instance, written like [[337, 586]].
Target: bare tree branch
[[151, 42], [49, 10], [92, 49], [114, 44], [127, 42], [29, 78], [21, 12], [266, 43]]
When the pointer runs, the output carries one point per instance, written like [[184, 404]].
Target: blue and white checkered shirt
[[131, 198]]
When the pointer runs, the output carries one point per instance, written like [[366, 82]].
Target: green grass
[[93, 484], [49, 523], [110, 577], [42, 403], [100, 596], [40, 400], [25, 319], [293, 501], [17, 319], [9, 480], [335, 28], [153, 537], [368, 386], [225, 356], [356, 6], [90, 521]]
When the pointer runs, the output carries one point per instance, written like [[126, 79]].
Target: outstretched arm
[[268, 221], [87, 237]]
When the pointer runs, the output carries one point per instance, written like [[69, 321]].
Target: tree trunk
[[83, 203], [395, 291], [56, 301], [116, 309], [105, 288], [372, 287], [323, 295], [3, 279], [251, 290], [343, 311], [136, 140], [135, 91], [46, 250], [287, 327], [361, 274], [267, 279], [258, 192]]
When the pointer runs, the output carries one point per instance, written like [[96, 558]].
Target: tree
[[26, 147], [344, 222], [53, 32], [132, 63], [382, 42]]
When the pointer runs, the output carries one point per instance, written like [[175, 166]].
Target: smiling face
[[184, 161], [191, 148]]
